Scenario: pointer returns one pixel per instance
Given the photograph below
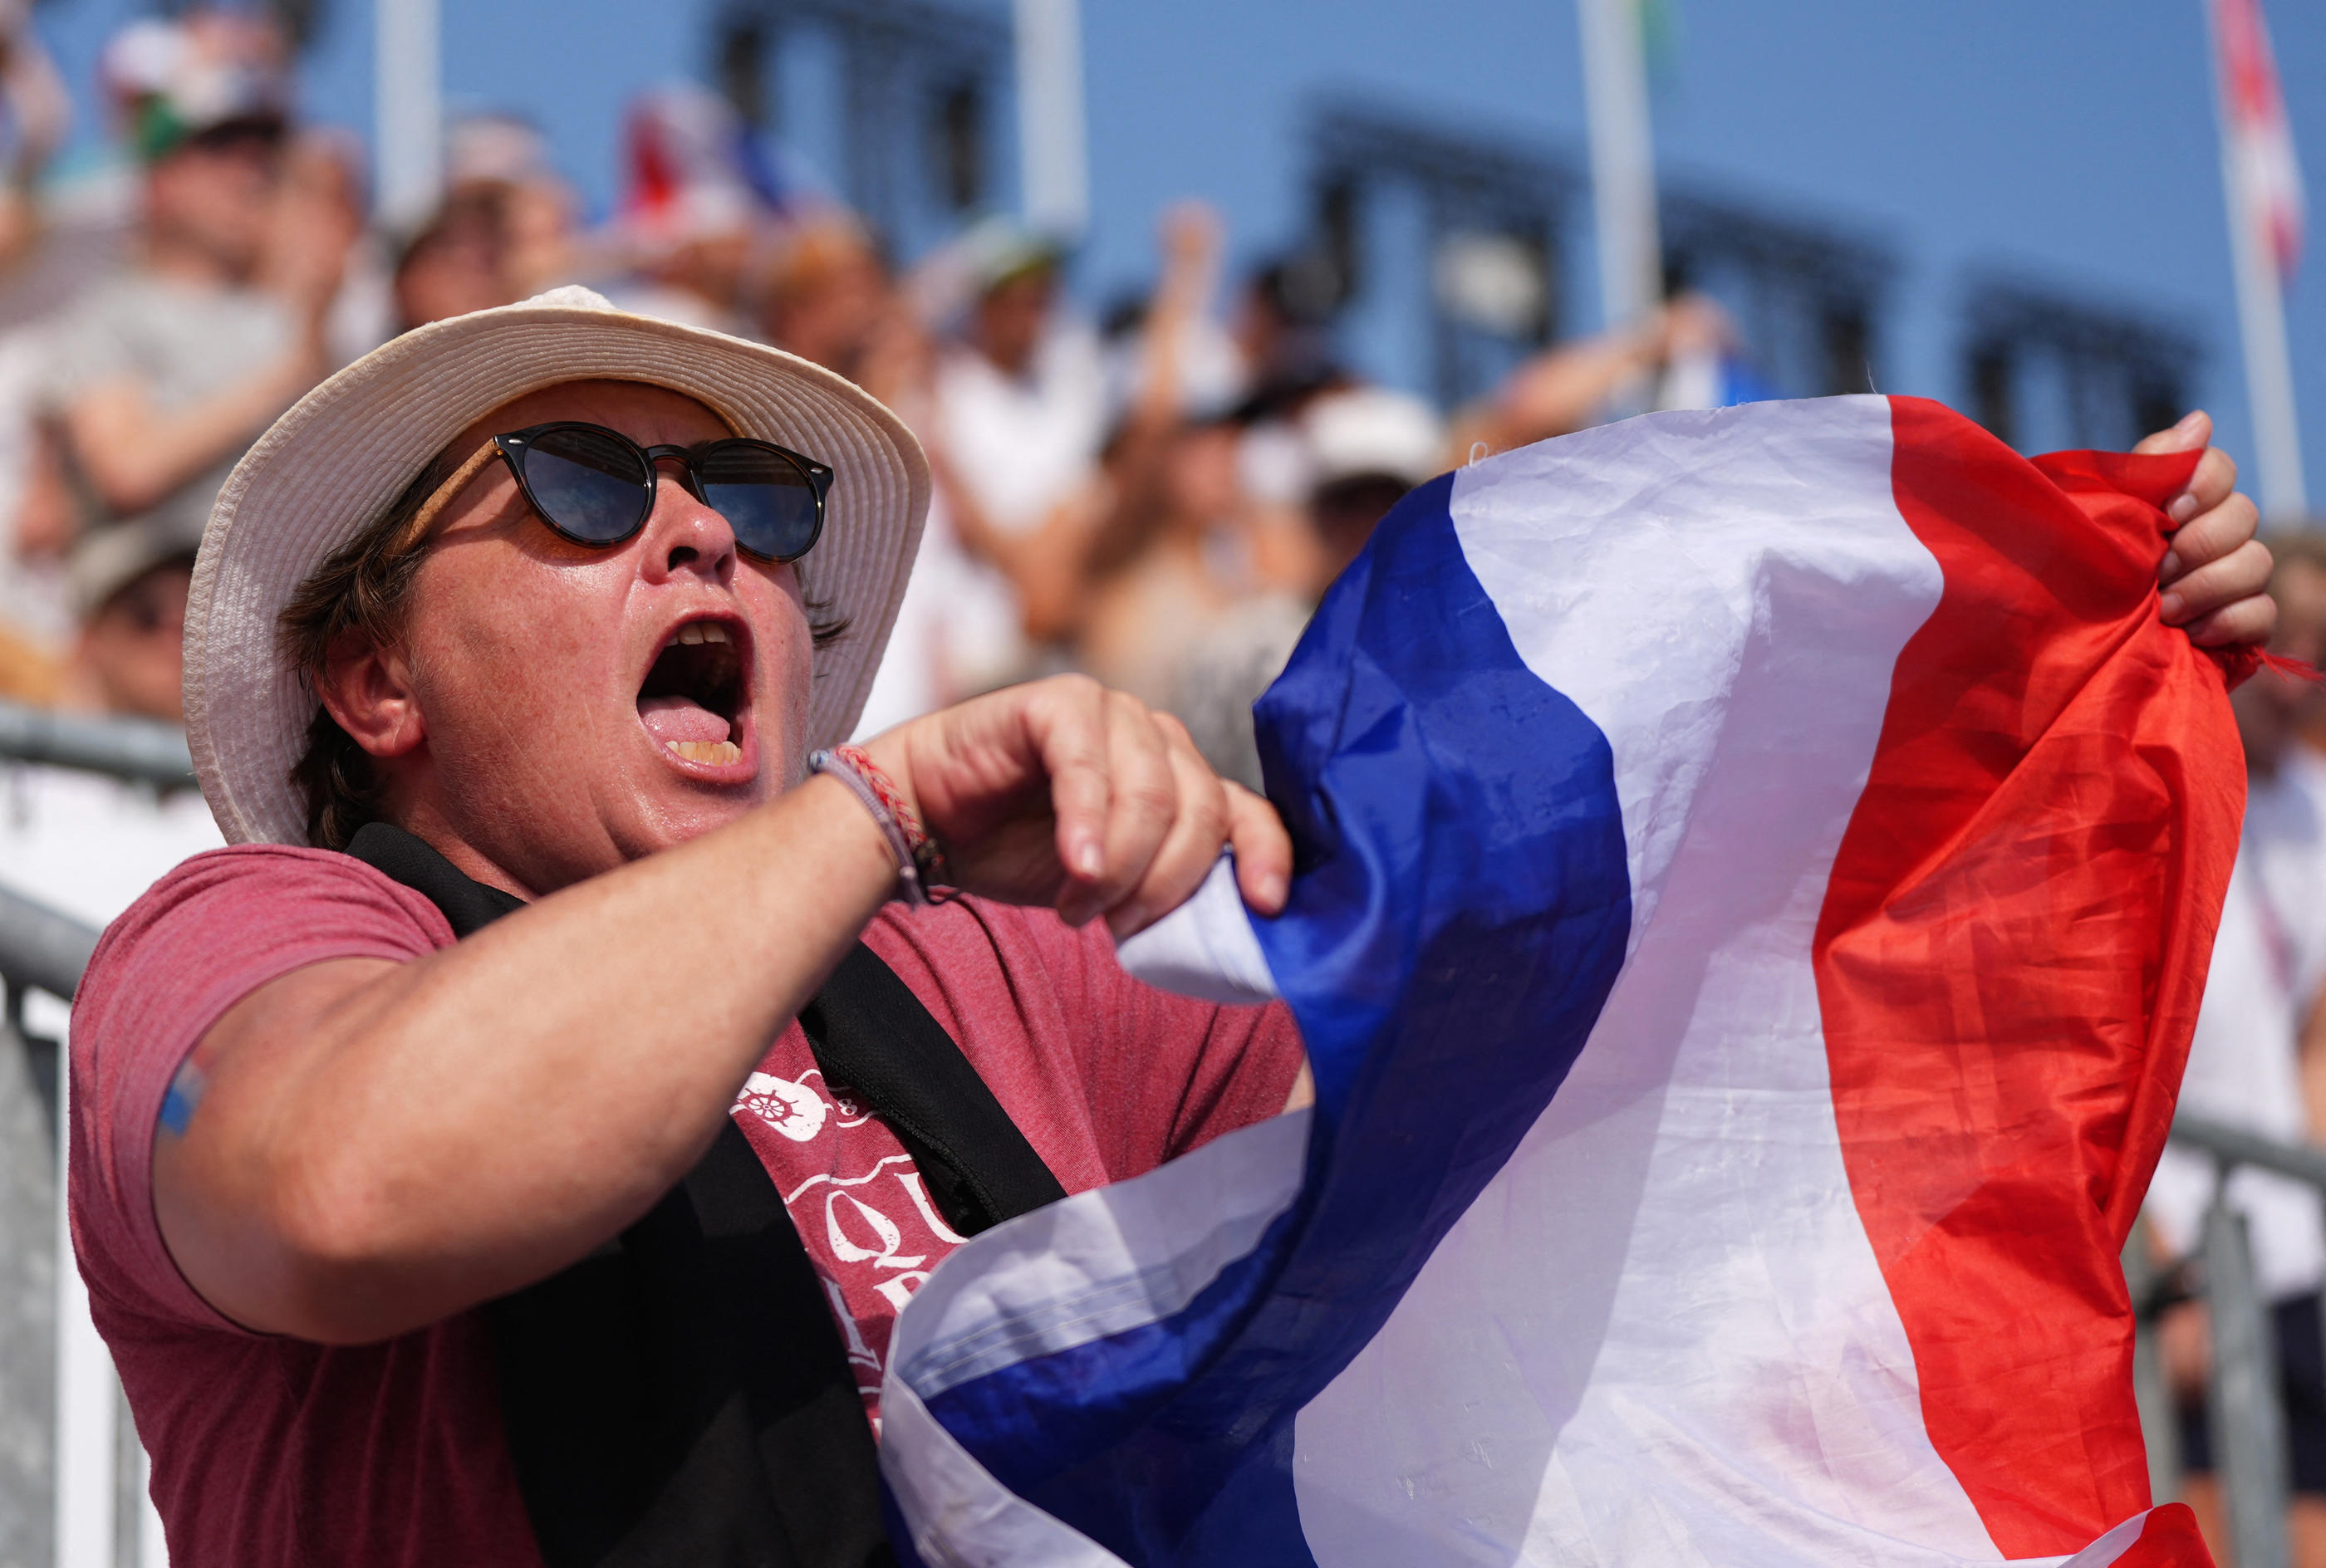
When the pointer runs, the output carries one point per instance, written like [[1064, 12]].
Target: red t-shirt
[[274, 1450]]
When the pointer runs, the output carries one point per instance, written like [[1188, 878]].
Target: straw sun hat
[[333, 464]]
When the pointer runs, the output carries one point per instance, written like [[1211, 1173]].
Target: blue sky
[[2071, 140]]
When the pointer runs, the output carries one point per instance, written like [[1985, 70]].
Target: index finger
[[1068, 725], [1263, 849]]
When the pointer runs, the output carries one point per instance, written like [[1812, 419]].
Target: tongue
[[669, 719]]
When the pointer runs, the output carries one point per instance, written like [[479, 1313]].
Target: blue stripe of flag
[[1458, 915]]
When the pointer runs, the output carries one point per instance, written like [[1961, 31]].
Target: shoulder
[[288, 903], [200, 940], [247, 880]]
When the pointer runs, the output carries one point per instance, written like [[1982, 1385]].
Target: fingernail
[[2170, 567], [2170, 607], [2189, 420], [2184, 508], [1089, 860], [1273, 891]]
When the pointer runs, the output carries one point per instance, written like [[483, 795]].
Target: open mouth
[[693, 696]]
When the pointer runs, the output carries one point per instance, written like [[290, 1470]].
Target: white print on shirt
[[862, 1232], [852, 1111], [859, 1352], [846, 1248], [793, 1110], [880, 1231]]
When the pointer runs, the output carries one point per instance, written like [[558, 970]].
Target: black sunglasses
[[596, 486]]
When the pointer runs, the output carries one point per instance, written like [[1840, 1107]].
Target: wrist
[[919, 862], [868, 865]]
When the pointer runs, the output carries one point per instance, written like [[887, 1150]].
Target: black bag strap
[[681, 1396], [468, 904], [871, 1033]]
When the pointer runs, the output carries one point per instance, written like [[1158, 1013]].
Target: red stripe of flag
[[2011, 953]]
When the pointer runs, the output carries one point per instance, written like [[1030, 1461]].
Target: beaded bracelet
[[920, 864]]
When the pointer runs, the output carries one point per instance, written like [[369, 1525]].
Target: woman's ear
[[368, 692]]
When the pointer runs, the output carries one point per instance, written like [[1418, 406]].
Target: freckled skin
[[524, 654]]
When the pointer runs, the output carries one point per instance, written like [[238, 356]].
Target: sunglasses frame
[[515, 445]]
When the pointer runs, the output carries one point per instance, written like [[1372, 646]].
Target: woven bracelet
[[920, 864]]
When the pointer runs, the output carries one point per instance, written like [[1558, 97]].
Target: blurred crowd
[[1157, 498]]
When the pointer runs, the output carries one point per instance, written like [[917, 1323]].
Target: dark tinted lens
[[765, 496], [590, 484]]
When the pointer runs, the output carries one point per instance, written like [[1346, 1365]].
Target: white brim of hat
[[332, 466]]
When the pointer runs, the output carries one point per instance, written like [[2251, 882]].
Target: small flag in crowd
[[1756, 872], [2258, 140]]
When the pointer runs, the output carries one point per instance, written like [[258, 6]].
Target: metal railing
[[73, 1478], [136, 749], [2243, 1408]]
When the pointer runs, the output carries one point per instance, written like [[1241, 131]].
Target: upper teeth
[[704, 632]]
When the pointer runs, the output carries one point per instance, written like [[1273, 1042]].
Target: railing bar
[[2234, 1146], [40, 946], [2248, 1426], [135, 749]]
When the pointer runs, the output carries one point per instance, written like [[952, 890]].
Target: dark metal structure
[[2045, 366], [923, 86], [1806, 297], [1492, 212]]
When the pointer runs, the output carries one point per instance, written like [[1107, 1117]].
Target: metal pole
[[2261, 318], [2160, 1431], [1053, 155], [39, 946], [89, 1397], [28, 1302], [1623, 160], [136, 749], [2248, 1424], [407, 108]]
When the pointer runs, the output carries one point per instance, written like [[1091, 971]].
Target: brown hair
[[362, 591]]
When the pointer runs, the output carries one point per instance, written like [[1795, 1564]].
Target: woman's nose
[[685, 533]]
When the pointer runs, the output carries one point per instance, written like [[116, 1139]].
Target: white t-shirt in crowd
[[1020, 446], [87, 845], [2244, 1063]]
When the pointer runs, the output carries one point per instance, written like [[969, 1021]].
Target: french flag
[[1755, 875]]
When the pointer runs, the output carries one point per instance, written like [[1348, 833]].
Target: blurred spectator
[[1683, 357], [505, 155], [34, 113], [29, 673], [502, 232], [690, 209], [826, 294], [37, 111], [1702, 361], [324, 183], [131, 581], [1283, 333], [1019, 406], [2300, 589], [2260, 1043], [1191, 565], [160, 376], [81, 841], [1363, 447], [458, 262]]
